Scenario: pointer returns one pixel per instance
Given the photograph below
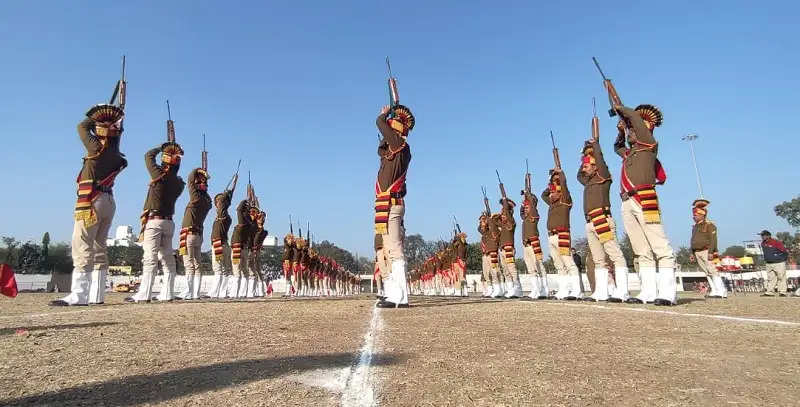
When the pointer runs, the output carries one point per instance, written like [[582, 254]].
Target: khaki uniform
[[94, 212], [159, 229], [390, 189], [641, 213], [532, 245], [560, 240], [240, 251], [220, 249], [192, 231]]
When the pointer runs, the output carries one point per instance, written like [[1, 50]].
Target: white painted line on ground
[[50, 314], [359, 390], [684, 314]]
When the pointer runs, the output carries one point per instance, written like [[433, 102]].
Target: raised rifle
[[170, 125], [486, 202], [291, 226], [119, 90], [394, 97], [556, 158], [458, 227], [613, 97], [527, 178], [595, 123], [502, 187], [204, 157], [234, 179]]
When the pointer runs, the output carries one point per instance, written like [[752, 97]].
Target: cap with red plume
[[171, 153]]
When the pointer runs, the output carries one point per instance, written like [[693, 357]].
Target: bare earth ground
[[442, 351]]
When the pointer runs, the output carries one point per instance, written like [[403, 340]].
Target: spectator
[[775, 255]]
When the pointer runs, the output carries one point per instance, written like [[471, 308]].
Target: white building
[[271, 241], [123, 236]]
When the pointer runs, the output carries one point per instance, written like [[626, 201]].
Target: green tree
[[683, 257], [46, 251], [627, 250], [11, 249], [792, 243], [790, 210], [60, 258], [29, 258], [474, 258], [734, 251]]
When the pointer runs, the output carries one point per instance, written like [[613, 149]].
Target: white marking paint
[[358, 389], [684, 314], [50, 314]]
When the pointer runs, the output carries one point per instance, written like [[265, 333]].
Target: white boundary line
[[358, 390], [684, 314], [50, 314]]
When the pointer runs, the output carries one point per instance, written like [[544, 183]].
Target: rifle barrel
[[599, 69], [169, 112], [498, 176], [552, 139]]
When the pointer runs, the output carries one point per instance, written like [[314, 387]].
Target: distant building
[[753, 248], [123, 236], [271, 241]]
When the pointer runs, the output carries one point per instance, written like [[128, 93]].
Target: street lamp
[[691, 138]]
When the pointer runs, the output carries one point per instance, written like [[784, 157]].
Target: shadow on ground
[[156, 388], [9, 331]]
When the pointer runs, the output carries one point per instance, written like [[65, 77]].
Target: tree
[[734, 251], [46, 251], [342, 256], [60, 259], [474, 257], [792, 244], [627, 250], [11, 248], [29, 258], [790, 211], [683, 257], [581, 245]]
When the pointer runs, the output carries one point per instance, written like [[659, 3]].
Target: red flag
[[8, 284]]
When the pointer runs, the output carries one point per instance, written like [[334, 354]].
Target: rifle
[[170, 125], [394, 97], [291, 226], [502, 187], [458, 227], [527, 178], [486, 202], [613, 97], [556, 158], [119, 90], [595, 123], [234, 179], [204, 156]]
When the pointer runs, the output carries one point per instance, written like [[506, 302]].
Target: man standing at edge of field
[[390, 191], [704, 248], [775, 255]]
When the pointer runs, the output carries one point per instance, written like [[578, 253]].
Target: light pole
[[691, 138]]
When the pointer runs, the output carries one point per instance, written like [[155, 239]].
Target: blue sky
[[293, 90]]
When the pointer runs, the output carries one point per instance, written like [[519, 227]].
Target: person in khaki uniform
[[221, 250], [601, 233], [460, 264], [507, 228], [100, 134], [390, 192], [157, 226], [191, 236], [532, 246], [486, 264], [259, 234], [775, 256], [641, 171], [704, 248], [240, 248], [557, 196], [288, 263]]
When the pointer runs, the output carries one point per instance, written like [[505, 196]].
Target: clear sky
[[293, 90]]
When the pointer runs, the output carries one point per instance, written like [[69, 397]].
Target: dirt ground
[[442, 351]]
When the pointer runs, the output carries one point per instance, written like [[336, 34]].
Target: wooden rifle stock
[[486, 202], [394, 97], [502, 187], [204, 156]]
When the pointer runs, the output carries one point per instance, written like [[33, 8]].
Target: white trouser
[[157, 247], [191, 264]]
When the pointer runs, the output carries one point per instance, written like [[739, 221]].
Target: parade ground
[[442, 351]]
